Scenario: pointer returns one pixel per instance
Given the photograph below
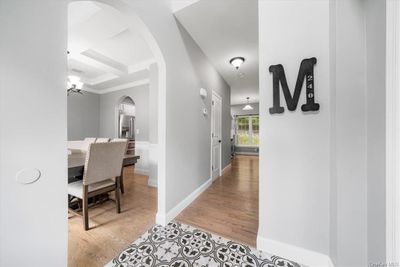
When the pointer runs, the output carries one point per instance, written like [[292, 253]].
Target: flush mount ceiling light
[[237, 62], [248, 106], [74, 85]]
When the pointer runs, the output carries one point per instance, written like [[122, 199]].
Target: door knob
[[219, 141]]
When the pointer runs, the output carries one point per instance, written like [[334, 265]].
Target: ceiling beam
[[99, 61]]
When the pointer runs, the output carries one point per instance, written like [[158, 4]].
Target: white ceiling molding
[[106, 61], [100, 79], [123, 86], [103, 51], [97, 64], [141, 66]]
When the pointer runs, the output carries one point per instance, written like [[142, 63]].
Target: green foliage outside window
[[247, 130]]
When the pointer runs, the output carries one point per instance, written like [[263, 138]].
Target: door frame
[[392, 131], [214, 93]]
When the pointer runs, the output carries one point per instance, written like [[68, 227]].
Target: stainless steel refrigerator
[[126, 127]]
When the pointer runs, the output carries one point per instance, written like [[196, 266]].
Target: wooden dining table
[[76, 165]]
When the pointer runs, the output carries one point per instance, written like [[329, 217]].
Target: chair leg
[[118, 195], [121, 181], [85, 208]]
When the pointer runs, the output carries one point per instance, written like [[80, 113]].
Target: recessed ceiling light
[[237, 62]]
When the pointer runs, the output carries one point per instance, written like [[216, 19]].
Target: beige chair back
[[103, 161], [87, 141], [102, 140], [121, 140]]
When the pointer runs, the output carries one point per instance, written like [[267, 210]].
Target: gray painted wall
[[83, 115], [208, 78], [238, 110], [94, 115], [108, 118]]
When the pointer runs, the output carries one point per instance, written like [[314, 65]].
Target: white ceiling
[[103, 51], [225, 29]]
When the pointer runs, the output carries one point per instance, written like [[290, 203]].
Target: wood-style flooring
[[110, 232], [229, 207]]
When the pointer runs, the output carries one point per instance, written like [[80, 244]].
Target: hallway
[[229, 207]]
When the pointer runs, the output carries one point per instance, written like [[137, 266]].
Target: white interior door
[[216, 139]]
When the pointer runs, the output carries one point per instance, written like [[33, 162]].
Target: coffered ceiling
[[103, 51]]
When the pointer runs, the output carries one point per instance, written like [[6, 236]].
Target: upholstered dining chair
[[121, 181], [86, 143], [102, 140], [103, 166]]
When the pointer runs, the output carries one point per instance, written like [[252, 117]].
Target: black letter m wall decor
[[306, 71]]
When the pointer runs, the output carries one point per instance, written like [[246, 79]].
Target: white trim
[[392, 131], [152, 182], [152, 165], [247, 153], [142, 171], [226, 168], [183, 204], [117, 88], [303, 256], [124, 86], [215, 94]]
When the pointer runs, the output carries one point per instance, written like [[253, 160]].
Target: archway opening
[[121, 73]]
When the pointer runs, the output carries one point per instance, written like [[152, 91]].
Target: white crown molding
[[118, 87], [301, 255], [144, 65], [100, 79], [125, 86]]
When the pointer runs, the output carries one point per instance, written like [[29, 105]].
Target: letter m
[[306, 72]]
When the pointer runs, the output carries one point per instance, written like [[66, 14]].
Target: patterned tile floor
[[180, 245]]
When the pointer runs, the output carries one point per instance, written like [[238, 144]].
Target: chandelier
[[74, 85]]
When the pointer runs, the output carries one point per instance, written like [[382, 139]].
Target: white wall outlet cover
[[203, 93], [137, 131], [28, 176], [205, 111]]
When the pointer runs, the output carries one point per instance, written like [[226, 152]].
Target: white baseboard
[[303, 256], [165, 219], [247, 153], [226, 168], [141, 171], [152, 182]]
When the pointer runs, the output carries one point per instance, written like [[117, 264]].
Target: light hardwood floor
[[229, 207], [110, 232]]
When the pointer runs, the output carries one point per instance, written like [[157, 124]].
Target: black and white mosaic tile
[[180, 245]]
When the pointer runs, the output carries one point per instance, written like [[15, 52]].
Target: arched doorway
[[156, 82]]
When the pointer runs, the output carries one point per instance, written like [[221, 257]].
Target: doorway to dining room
[[116, 90]]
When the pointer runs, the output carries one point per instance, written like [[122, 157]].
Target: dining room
[[112, 133]]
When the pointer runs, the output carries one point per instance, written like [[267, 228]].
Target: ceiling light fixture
[[74, 85], [237, 62], [248, 106]]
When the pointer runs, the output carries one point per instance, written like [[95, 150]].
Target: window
[[247, 130]]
